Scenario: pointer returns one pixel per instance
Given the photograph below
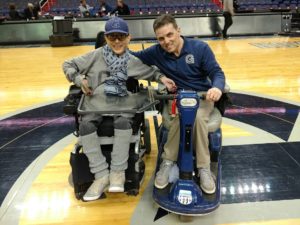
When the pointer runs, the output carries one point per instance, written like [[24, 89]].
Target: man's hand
[[213, 94], [85, 87], [170, 84]]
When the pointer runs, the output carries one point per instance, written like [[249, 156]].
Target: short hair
[[164, 20]]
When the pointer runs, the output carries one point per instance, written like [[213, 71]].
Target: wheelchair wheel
[[147, 140]]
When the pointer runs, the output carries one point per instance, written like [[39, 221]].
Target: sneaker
[[207, 182], [162, 176], [96, 189], [117, 180]]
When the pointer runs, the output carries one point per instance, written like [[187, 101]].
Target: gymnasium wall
[[204, 25]]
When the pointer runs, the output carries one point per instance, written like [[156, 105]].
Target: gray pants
[[91, 144]]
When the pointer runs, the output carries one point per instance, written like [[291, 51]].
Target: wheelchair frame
[[140, 144]]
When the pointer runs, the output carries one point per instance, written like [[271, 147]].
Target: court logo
[[189, 59], [116, 25]]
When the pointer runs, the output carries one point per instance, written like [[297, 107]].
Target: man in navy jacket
[[191, 64]]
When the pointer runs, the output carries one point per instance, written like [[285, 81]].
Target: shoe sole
[[160, 186], [207, 191], [116, 189], [88, 199]]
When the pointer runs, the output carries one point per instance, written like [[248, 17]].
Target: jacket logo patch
[[189, 59]]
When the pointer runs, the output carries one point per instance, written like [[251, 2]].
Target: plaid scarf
[[115, 83]]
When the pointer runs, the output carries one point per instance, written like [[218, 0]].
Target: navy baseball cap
[[116, 25]]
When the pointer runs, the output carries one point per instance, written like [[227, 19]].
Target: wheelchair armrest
[[72, 100], [75, 91]]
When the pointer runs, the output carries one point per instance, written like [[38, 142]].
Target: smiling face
[[169, 38], [118, 42]]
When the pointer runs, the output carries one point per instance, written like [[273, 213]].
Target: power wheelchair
[[81, 177]]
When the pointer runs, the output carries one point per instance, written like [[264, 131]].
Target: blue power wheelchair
[[183, 195], [81, 177]]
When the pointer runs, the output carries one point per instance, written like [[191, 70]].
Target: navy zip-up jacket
[[195, 69]]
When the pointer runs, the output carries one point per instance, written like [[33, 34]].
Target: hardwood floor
[[31, 76]]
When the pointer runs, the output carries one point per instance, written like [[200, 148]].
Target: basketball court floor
[[260, 155]]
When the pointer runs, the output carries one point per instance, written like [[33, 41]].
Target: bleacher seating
[[154, 7]]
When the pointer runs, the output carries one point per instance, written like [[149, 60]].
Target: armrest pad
[[72, 100], [75, 91]]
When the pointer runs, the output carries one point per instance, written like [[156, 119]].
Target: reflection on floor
[[262, 172], [25, 136]]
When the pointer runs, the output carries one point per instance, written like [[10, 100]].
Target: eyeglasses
[[115, 36]]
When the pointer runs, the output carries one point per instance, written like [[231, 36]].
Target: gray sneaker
[[117, 180], [207, 182], [96, 189], [162, 176]]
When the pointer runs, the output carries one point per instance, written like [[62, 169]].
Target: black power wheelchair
[[81, 177]]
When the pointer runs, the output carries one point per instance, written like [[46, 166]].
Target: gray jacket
[[93, 66]]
